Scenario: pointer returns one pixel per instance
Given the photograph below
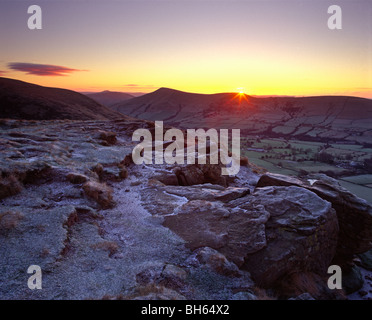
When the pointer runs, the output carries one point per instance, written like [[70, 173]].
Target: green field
[[292, 157], [359, 190], [364, 179]]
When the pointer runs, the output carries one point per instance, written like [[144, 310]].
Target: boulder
[[301, 234], [200, 173], [77, 178], [169, 179], [108, 137], [189, 175], [354, 214], [212, 174], [274, 179]]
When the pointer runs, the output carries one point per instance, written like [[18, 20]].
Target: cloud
[[41, 69], [2, 73]]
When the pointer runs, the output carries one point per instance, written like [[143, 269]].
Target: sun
[[240, 95], [240, 91]]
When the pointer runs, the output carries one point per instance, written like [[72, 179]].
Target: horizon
[[267, 48], [139, 94]]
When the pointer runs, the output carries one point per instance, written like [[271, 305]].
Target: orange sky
[[264, 47]]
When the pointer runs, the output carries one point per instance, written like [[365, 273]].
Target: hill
[[22, 100], [318, 117], [109, 98]]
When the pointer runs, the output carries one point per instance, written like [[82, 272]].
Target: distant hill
[[22, 100], [109, 98], [170, 104], [318, 117]]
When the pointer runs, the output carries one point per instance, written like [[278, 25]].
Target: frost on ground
[[100, 227], [85, 251]]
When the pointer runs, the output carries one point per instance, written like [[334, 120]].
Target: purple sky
[[264, 47]]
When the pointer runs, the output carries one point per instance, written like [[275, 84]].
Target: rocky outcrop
[[270, 233], [354, 214], [174, 232], [54, 218], [301, 234]]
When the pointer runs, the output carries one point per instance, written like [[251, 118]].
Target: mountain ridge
[[109, 98], [318, 117], [24, 100]]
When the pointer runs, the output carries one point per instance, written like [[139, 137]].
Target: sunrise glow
[[201, 47]]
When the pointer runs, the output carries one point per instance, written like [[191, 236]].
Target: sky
[[206, 46]]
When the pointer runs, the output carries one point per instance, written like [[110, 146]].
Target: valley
[[345, 162], [287, 135]]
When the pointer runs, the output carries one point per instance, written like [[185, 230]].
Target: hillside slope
[[22, 100], [318, 117], [109, 98]]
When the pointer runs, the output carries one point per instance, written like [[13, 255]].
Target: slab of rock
[[274, 179], [209, 224], [159, 202], [301, 234], [208, 192]]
